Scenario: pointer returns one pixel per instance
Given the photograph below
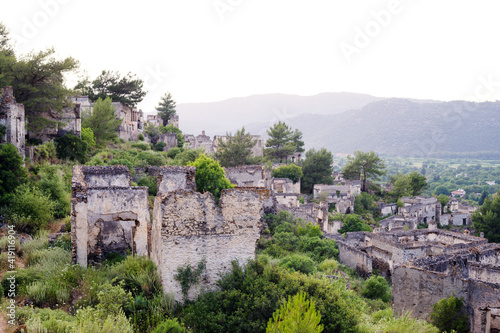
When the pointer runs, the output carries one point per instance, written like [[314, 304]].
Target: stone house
[[12, 118]]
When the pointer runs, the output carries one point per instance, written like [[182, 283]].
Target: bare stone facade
[[200, 141], [154, 120], [66, 121], [257, 149], [189, 227], [425, 209], [249, 176], [107, 214], [170, 140], [397, 223], [12, 117], [285, 185], [457, 219], [128, 128]]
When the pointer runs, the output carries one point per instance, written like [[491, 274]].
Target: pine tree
[[166, 108], [103, 121], [236, 149]]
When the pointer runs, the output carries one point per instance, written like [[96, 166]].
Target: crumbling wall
[[314, 213], [170, 140], [249, 176], [107, 214], [12, 117], [459, 219], [284, 185], [189, 227], [286, 201], [128, 128], [355, 258], [171, 178]]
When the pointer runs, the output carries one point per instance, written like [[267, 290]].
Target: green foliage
[[141, 145], [71, 147], [353, 222], [235, 149], [329, 266], [365, 203], [298, 262], [160, 145], [210, 177], [483, 197], [102, 121], [247, 298], [150, 182], [154, 133], [90, 320], [140, 137], [447, 315], [408, 185], [47, 320], [385, 321], [443, 200], [88, 137], [296, 315], [282, 141], [487, 219], [127, 89], [166, 108], [364, 166], [189, 276], [113, 299], [38, 83], [52, 183], [187, 156], [169, 326], [290, 171], [317, 169], [173, 152], [45, 152], [12, 172], [441, 189], [377, 287], [30, 209], [3, 131]]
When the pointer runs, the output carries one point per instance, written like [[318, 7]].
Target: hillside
[[344, 122]]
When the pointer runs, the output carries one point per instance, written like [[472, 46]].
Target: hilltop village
[[423, 246]]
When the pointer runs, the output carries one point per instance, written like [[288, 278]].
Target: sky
[[211, 50]]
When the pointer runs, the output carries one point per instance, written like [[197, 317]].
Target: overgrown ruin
[[12, 117]]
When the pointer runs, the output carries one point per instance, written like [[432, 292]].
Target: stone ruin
[[128, 129], [249, 176], [66, 121], [109, 215], [426, 266], [12, 117]]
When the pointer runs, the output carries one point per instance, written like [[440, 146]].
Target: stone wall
[[459, 219], [170, 140], [171, 178], [286, 201], [285, 185], [66, 121], [12, 117], [249, 176], [355, 258], [313, 213], [107, 214], [128, 128], [189, 227]]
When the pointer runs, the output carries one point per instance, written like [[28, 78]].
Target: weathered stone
[[12, 117]]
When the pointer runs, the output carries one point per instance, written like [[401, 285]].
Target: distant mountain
[[391, 126], [232, 114]]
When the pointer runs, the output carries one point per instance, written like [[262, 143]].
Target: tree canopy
[[352, 222], [236, 149], [127, 89], [210, 177], [364, 166], [12, 172], [317, 169], [411, 184], [487, 218], [290, 171], [166, 108], [103, 121], [282, 142]]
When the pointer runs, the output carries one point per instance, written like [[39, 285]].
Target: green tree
[[166, 108], [236, 149], [448, 316], [38, 83], [443, 200], [127, 89], [282, 142], [290, 171], [88, 136], [364, 166], [418, 183], [484, 195], [352, 222], [487, 219], [441, 189], [103, 121], [408, 185], [210, 176], [296, 315], [376, 287], [71, 147], [317, 169], [12, 171]]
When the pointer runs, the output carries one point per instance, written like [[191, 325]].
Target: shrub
[[140, 137], [188, 276], [141, 145], [210, 177], [90, 320], [376, 287], [150, 182], [328, 266], [353, 223], [46, 151], [46, 320], [296, 315], [88, 136], [447, 315], [12, 172], [71, 147], [169, 326], [291, 171], [33, 204], [299, 263], [159, 146], [172, 153], [52, 183]]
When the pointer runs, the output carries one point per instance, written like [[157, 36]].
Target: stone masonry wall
[[355, 258], [249, 175], [107, 214], [12, 117], [189, 227]]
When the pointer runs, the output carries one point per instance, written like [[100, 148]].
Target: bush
[[52, 183], [88, 137], [12, 172], [291, 171], [448, 316], [46, 151], [140, 137], [328, 266], [159, 146], [172, 153], [169, 326], [141, 145], [376, 287], [71, 147], [299, 263], [32, 204], [210, 177], [353, 223], [46, 320], [150, 182]]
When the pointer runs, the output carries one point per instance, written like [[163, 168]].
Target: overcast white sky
[[210, 50]]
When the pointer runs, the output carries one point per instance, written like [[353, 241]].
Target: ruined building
[[257, 149], [426, 266], [129, 126], [200, 141], [109, 215], [425, 209], [12, 120]]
